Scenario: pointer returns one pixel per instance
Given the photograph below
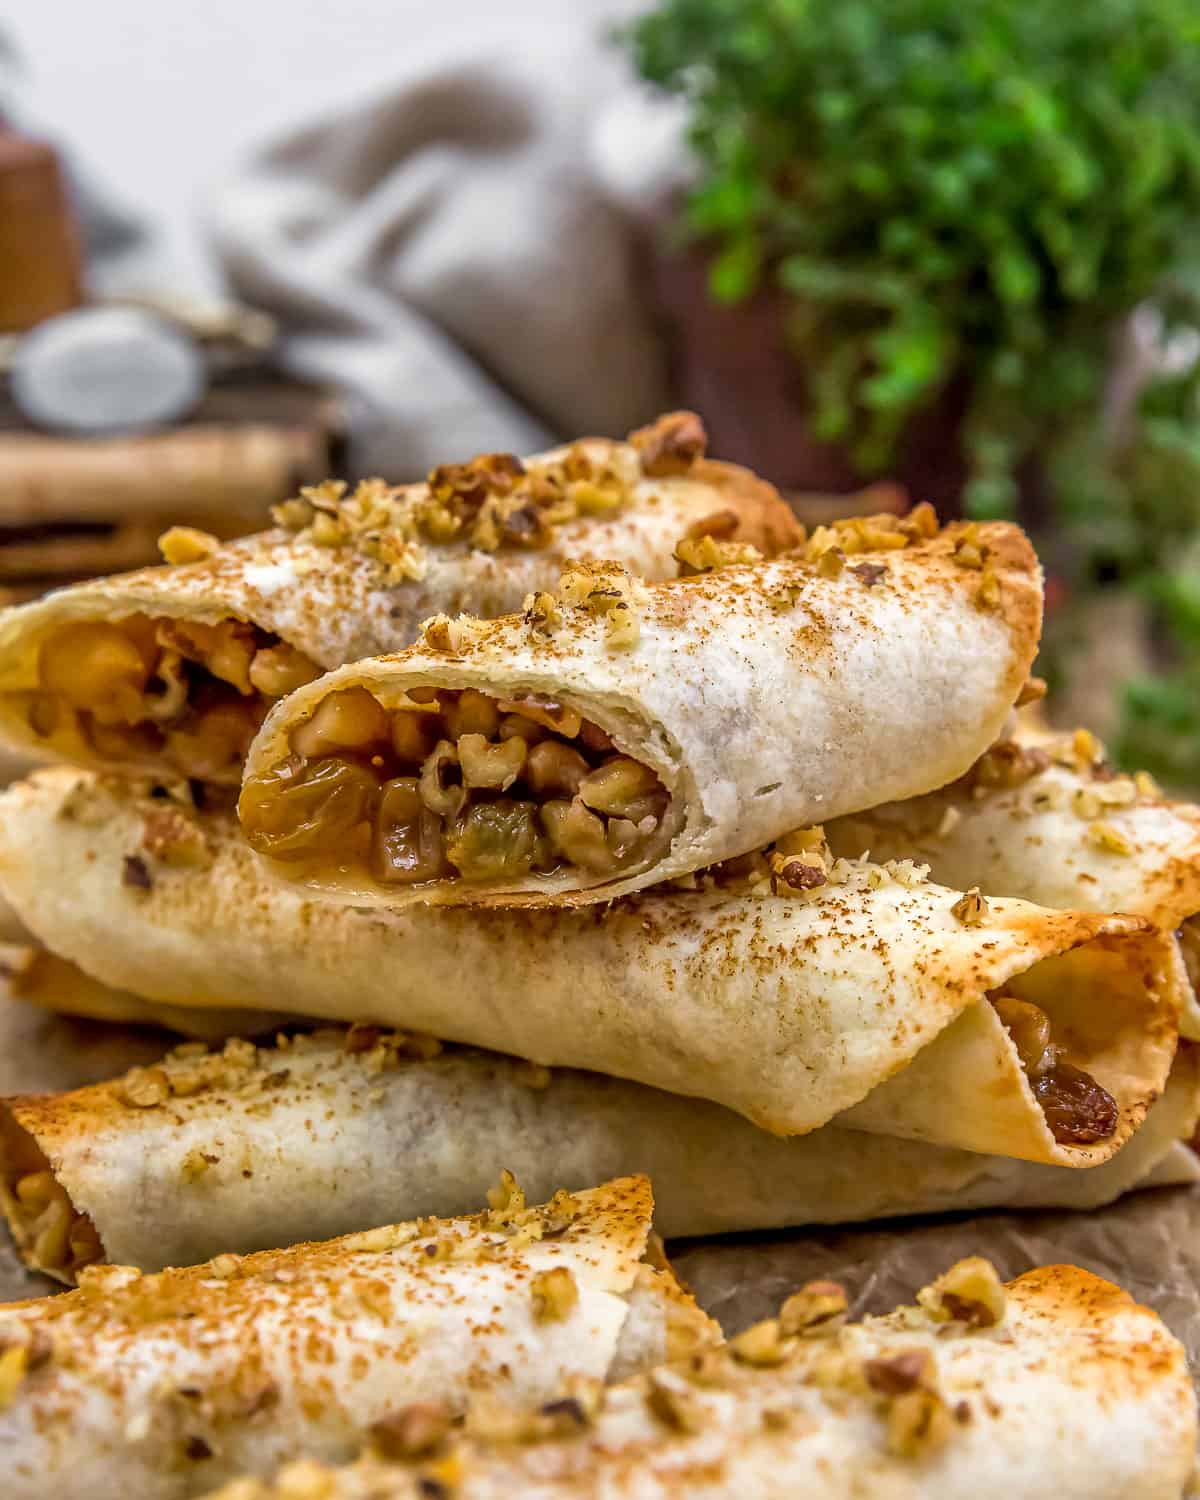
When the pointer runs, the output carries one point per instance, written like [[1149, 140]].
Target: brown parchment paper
[[1149, 1242]]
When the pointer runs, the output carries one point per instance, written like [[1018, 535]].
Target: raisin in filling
[[1078, 1110], [457, 785]]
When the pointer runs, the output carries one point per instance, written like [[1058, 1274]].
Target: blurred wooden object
[[40, 268], [75, 507]]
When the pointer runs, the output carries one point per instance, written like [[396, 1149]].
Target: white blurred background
[[173, 90]]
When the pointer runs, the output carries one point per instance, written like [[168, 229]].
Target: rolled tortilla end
[[239, 1363], [1048, 819], [169, 671], [179, 1162], [614, 735], [1055, 1384]]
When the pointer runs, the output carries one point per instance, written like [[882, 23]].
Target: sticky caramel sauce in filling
[[458, 786], [1078, 1110], [185, 694]]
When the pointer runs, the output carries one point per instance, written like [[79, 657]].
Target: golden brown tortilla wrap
[[180, 1161], [41, 978], [867, 995], [170, 669], [1045, 817], [1057, 1386], [563, 760], [158, 1386]]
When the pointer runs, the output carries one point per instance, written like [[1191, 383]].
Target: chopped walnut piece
[[1146, 786], [1006, 764], [1033, 692], [817, 1309], [145, 1087], [184, 544], [918, 1419], [173, 839], [987, 595], [412, 1432], [671, 444], [831, 562], [971, 908], [706, 553], [441, 633], [870, 573], [542, 613], [760, 1344], [555, 1295], [506, 1199], [1110, 839], [671, 1399], [969, 1292], [920, 523]]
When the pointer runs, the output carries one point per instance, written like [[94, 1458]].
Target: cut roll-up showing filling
[[158, 1386], [1055, 1386], [614, 734], [1048, 819], [792, 989], [171, 670], [179, 1160]]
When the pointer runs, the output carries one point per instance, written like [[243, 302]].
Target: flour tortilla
[[373, 1136], [1078, 1394], [336, 604], [1044, 839], [161, 1386], [39, 977], [766, 697], [866, 999]]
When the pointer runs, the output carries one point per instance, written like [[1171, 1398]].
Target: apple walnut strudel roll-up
[[1047, 818], [170, 670], [160, 1386], [1056, 1386], [616, 735], [180, 1159], [791, 988]]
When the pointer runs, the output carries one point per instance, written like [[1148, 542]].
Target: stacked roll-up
[[586, 889]]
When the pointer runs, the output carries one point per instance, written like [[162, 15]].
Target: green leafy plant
[[972, 196]]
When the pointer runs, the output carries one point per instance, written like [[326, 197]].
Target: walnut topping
[[987, 595], [1109, 838], [136, 873], [670, 445], [831, 562], [673, 1400], [412, 1432], [555, 1295], [184, 544], [721, 524], [761, 1344], [800, 861], [1033, 691], [1006, 764], [706, 553], [818, 1309], [174, 839], [971, 908], [145, 1087], [542, 613], [451, 636], [1146, 786], [506, 1200], [870, 573], [969, 1292], [919, 1421], [881, 533]]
